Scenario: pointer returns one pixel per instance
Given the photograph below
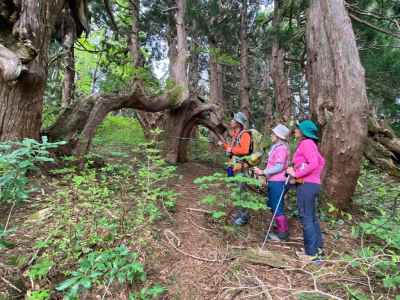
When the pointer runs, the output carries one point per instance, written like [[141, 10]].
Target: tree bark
[[279, 72], [266, 96], [175, 121], [68, 40], [23, 77], [244, 57], [383, 146], [337, 95], [148, 120], [216, 96], [23, 63], [69, 78], [134, 42]]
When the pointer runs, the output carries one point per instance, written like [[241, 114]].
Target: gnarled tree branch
[[10, 64]]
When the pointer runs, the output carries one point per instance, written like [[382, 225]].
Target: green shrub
[[102, 268], [151, 182], [4, 233], [228, 193], [38, 295], [16, 159], [378, 258], [40, 270]]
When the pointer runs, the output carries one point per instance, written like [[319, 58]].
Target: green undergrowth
[[374, 223], [93, 228], [119, 130], [378, 230], [232, 193], [17, 159]]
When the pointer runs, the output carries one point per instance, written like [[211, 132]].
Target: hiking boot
[[241, 218], [272, 236], [240, 221], [314, 259], [278, 236], [321, 252]]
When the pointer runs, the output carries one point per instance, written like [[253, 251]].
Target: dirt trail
[[193, 234], [193, 278]]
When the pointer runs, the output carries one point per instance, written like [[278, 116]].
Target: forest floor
[[195, 257], [206, 261], [129, 200]]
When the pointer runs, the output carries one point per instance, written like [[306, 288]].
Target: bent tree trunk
[[337, 96], [78, 122]]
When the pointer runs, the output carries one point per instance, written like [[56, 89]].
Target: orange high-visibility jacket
[[241, 142]]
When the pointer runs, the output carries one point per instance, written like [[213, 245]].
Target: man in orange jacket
[[240, 146]]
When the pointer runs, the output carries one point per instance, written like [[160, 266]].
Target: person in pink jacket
[[277, 163], [308, 165]]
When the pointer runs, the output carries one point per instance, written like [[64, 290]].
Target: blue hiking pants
[[274, 192], [307, 195]]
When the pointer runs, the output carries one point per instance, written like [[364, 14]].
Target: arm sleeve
[[310, 152], [244, 145], [274, 170]]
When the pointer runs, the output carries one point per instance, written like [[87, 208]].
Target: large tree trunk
[[68, 40], [23, 68], [279, 74], [21, 108], [69, 78], [338, 96], [216, 91], [216, 83], [25, 38], [244, 61], [176, 145], [266, 96], [147, 120]]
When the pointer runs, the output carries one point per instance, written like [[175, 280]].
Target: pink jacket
[[308, 162], [279, 154]]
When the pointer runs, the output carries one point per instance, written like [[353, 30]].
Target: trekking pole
[[276, 209]]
